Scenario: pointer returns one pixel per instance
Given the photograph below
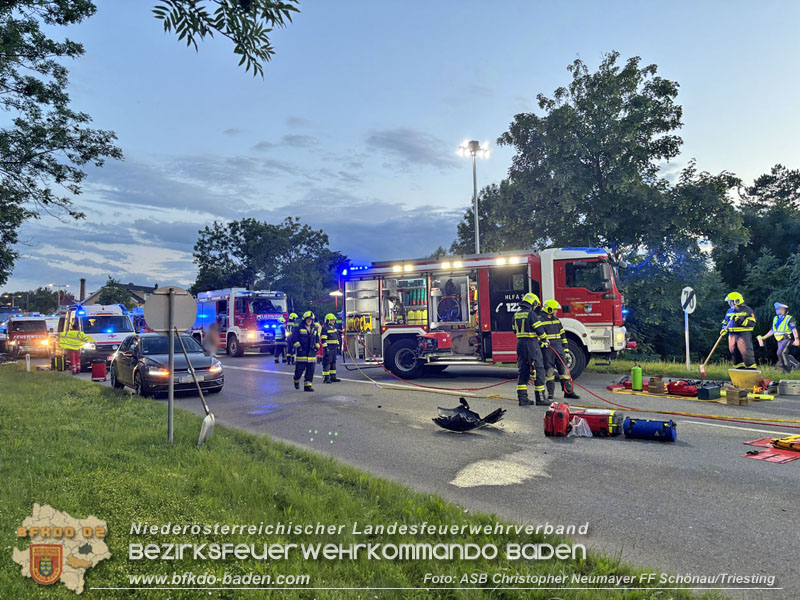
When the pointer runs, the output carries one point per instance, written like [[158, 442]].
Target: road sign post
[[688, 304], [169, 308]]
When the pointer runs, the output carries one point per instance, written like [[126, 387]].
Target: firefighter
[[529, 332], [305, 341], [290, 327], [784, 329], [555, 352], [72, 341], [280, 340], [738, 326], [330, 348]]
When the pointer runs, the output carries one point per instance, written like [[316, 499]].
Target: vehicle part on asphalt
[[461, 418]]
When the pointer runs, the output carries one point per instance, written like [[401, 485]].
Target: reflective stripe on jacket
[[527, 323], [739, 318], [330, 335], [553, 329]]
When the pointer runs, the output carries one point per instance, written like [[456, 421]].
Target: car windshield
[[267, 305], [28, 327], [106, 324], [160, 345]]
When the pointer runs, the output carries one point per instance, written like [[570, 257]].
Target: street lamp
[[336, 295], [58, 287], [474, 148]]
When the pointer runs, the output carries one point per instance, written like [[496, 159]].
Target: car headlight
[[251, 335], [216, 367], [89, 346], [13, 342], [45, 342], [158, 371]]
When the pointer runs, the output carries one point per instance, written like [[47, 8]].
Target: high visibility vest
[[73, 340], [782, 326]]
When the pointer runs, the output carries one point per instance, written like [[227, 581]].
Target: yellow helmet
[[330, 317], [551, 306], [308, 315], [734, 297], [531, 299], [293, 316], [281, 320]]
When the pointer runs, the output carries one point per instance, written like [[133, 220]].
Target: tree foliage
[[46, 143], [587, 171], [290, 257], [113, 292], [247, 23], [43, 300]]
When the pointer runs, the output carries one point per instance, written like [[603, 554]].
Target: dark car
[[142, 362]]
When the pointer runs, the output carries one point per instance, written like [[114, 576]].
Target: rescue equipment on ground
[[791, 442], [99, 371], [461, 418], [636, 378], [656, 385], [681, 388], [645, 429], [709, 392], [579, 428], [789, 387], [601, 421], [59, 362], [557, 420], [735, 396]]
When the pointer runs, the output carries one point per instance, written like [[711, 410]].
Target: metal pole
[[686, 336], [475, 202], [171, 388]]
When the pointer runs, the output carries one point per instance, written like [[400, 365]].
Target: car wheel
[[139, 386], [115, 383], [402, 360], [234, 347], [576, 361]]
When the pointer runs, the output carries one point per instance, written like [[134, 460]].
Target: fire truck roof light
[[501, 260], [397, 268], [344, 271], [514, 260], [457, 264], [408, 267], [446, 264], [588, 250]]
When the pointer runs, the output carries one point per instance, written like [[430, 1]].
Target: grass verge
[[676, 369], [88, 450]]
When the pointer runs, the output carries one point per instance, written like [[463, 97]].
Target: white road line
[[780, 433]]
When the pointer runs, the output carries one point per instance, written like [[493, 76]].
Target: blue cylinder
[[644, 429]]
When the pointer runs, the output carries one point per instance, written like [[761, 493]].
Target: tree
[[587, 172], [290, 257], [46, 144], [114, 293], [247, 23]]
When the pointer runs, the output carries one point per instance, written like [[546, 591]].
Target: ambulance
[[421, 316], [107, 325]]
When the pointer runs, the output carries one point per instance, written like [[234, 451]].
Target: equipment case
[[556, 420], [601, 421]]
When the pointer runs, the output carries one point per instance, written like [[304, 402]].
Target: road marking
[[780, 433]]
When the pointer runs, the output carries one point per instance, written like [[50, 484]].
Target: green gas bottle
[[636, 378]]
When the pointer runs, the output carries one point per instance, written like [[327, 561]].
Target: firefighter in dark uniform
[[556, 352], [530, 334], [330, 349], [305, 341], [290, 327], [738, 325]]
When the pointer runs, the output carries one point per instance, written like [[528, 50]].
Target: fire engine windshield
[[594, 276], [106, 324], [28, 327], [267, 305]]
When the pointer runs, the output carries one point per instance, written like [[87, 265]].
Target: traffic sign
[[156, 309], [688, 300]]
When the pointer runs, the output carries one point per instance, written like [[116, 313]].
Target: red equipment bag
[[681, 388], [99, 371], [556, 420], [601, 421]]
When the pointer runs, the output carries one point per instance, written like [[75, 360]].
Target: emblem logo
[[46, 562]]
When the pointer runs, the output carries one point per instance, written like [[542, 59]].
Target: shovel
[[207, 429], [703, 366]]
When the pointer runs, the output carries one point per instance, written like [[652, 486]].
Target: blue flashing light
[[109, 331], [587, 250], [344, 271], [81, 312]]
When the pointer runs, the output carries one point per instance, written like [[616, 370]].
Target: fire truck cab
[[246, 318], [424, 315], [28, 335]]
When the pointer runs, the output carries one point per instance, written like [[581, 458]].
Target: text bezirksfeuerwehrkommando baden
[[355, 528]]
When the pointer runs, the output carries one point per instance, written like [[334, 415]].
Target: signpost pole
[[171, 388], [688, 304], [686, 335]]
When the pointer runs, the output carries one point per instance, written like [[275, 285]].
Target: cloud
[[297, 122], [168, 234], [263, 145], [232, 131], [413, 147], [299, 141]]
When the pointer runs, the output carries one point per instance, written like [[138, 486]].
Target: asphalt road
[[694, 506]]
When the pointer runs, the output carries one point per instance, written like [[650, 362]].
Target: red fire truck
[[424, 315], [245, 318]]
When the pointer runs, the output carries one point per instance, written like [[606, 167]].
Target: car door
[[127, 359]]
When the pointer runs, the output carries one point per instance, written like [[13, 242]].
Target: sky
[[355, 125]]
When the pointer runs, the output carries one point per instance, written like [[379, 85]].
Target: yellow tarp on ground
[[754, 397]]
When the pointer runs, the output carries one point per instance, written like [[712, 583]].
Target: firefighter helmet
[[531, 299], [734, 297], [330, 317], [551, 306], [308, 315], [292, 316], [281, 320]]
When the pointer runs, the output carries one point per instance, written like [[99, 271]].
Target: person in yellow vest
[[71, 342], [784, 329]]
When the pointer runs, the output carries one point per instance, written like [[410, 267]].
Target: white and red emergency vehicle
[[246, 319], [107, 324], [424, 315], [27, 335]]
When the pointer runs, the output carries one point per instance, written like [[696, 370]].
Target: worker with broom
[[738, 325], [785, 331]]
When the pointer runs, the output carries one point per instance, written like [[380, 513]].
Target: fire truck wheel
[[576, 361], [234, 347], [402, 359]]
